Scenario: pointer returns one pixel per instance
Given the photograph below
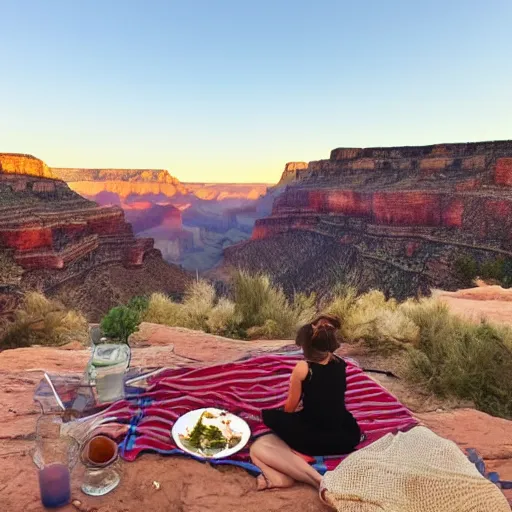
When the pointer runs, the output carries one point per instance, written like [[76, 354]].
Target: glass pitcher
[[55, 456], [106, 370]]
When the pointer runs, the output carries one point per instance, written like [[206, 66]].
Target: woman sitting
[[323, 426]]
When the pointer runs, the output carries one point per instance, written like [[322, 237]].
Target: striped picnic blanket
[[244, 388]]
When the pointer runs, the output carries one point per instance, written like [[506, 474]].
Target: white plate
[[189, 421]]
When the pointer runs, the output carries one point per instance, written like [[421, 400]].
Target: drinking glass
[[55, 456]]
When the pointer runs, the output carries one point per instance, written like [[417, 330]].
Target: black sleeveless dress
[[324, 426]]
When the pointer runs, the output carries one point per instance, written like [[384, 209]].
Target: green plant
[[139, 304], [120, 322], [507, 273], [493, 269], [466, 268], [464, 360]]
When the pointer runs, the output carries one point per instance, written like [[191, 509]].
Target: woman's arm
[[299, 373]]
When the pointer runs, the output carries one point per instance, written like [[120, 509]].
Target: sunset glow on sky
[[230, 90]]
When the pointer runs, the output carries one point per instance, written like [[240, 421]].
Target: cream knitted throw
[[415, 471]]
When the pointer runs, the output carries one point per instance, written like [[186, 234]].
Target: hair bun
[[322, 325]]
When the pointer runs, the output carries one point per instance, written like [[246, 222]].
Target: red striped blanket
[[244, 388]]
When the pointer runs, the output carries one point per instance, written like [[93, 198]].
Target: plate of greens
[[210, 433]]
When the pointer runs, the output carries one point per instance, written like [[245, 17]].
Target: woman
[[322, 427]]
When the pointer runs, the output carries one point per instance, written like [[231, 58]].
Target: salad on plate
[[211, 434]]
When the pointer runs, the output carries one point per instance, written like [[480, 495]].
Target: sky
[[231, 90]]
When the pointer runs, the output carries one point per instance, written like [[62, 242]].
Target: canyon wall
[[390, 218], [191, 223], [56, 236], [14, 163]]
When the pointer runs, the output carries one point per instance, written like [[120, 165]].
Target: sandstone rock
[[14, 163], [57, 237], [184, 484], [449, 200]]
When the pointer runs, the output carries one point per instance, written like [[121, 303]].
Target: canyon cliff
[[396, 219], [191, 223], [55, 241]]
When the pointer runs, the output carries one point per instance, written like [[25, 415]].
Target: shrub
[[264, 307], [139, 304], [224, 320], [42, 321], [466, 268], [468, 361], [493, 269], [198, 302], [162, 310], [120, 322]]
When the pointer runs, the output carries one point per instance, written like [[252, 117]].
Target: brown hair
[[318, 339]]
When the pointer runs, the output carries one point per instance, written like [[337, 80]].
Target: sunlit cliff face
[[13, 163]]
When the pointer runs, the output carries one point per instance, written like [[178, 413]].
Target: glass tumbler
[[55, 456]]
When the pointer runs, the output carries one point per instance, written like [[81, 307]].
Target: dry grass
[[264, 309], [41, 321], [259, 310], [445, 354]]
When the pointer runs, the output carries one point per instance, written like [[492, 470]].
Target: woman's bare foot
[[261, 483]]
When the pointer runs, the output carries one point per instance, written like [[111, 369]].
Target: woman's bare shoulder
[[301, 370]]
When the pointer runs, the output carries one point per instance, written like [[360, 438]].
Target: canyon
[[191, 223], [55, 241], [396, 219]]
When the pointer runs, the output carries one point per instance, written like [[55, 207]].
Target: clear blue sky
[[229, 90]]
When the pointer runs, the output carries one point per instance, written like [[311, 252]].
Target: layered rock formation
[[122, 182], [56, 236], [388, 218], [191, 223]]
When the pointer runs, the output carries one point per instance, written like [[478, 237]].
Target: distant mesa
[[394, 218], [14, 163], [190, 222]]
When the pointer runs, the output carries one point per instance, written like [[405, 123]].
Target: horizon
[[230, 93]]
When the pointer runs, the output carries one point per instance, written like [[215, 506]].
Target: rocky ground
[[186, 485], [482, 302]]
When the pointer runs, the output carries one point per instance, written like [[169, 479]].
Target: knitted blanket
[[415, 471]]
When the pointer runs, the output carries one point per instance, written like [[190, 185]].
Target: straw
[[57, 397]]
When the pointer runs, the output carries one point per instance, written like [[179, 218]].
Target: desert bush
[[120, 322], [470, 361], [162, 310], [42, 321], [199, 310], [467, 269], [270, 330], [139, 304], [197, 305], [223, 319], [264, 307], [372, 318]]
